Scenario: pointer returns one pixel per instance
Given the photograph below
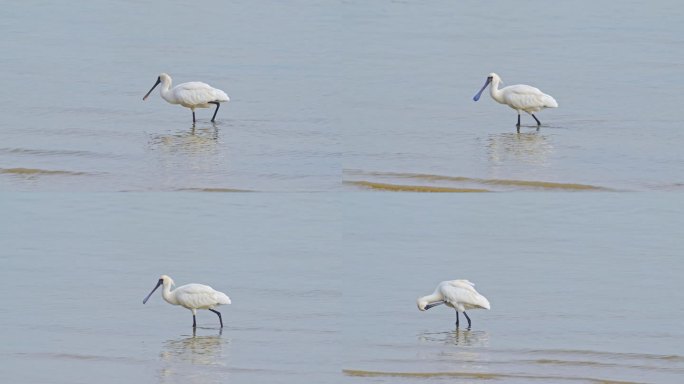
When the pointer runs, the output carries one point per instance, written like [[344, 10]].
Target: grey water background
[[76, 267], [614, 68], [584, 287], [340, 96], [325, 91], [75, 75]]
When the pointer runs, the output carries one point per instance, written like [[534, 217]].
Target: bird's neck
[[169, 296], [436, 296], [166, 93], [495, 92]]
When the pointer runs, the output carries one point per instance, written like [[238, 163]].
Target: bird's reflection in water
[[532, 148], [194, 140], [194, 359], [460, 336]]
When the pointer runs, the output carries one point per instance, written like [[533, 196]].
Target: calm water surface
[[78, 267], [340, 95], [75, 119], [413, 69], [584, 287]]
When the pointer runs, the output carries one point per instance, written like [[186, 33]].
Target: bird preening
[[191, 296], [191, 95], [519, 97], [457, 294]]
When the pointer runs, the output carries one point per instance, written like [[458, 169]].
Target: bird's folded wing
[[195, 93]]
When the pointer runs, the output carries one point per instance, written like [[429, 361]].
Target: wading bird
[[457, 294], [519, 97], [190, 95], [191, 296]]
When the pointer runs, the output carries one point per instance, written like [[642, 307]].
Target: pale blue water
[[76, 75], [412, 69], [76, 268], [583, 287], [339, 96], [321, 90]]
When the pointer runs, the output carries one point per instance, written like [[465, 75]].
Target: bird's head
[[422, 304], [163, 280], [493, 76], [166, 280], [161, 78]]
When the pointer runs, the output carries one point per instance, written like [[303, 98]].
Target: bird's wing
[[523, 96], [466, 283], [199, 296], [195, 93], [461, 293]]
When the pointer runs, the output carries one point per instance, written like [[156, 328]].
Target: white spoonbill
[[191, 95], [519, 97], [457, 294], [191, 296]]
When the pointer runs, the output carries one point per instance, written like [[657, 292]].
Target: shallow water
[[414, 68], [76, 268], [583, 287], [342, 97], [74, 118], [321, 91]]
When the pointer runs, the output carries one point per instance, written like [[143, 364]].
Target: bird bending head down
[[457, 294]]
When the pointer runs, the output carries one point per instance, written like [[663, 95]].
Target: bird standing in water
[[519, 97], [457, 294], [191, 296], [190, 95]]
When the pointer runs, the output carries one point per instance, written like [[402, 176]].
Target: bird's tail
[[222, 298], [483, 302], [550, 102]]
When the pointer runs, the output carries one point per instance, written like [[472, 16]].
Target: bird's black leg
[[518, 125], [466, 315], [219, 315], [194, 322], [535, 117], [216, 111], [193, 116], [456, 319]]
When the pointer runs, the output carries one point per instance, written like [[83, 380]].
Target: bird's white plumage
[[458, 294], [194, 94], [522, 98], [199, 296], [461, 295], [190, 296]]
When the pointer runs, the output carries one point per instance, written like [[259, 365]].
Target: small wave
[[496, 182], [410, 188], [38, 172], [74, 356], [213, 190], [609, 355], [56, 152], [478, 375]]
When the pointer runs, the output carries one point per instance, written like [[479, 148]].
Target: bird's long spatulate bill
[[433, 305], [152, 89], [476, 97], [155, 288]]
